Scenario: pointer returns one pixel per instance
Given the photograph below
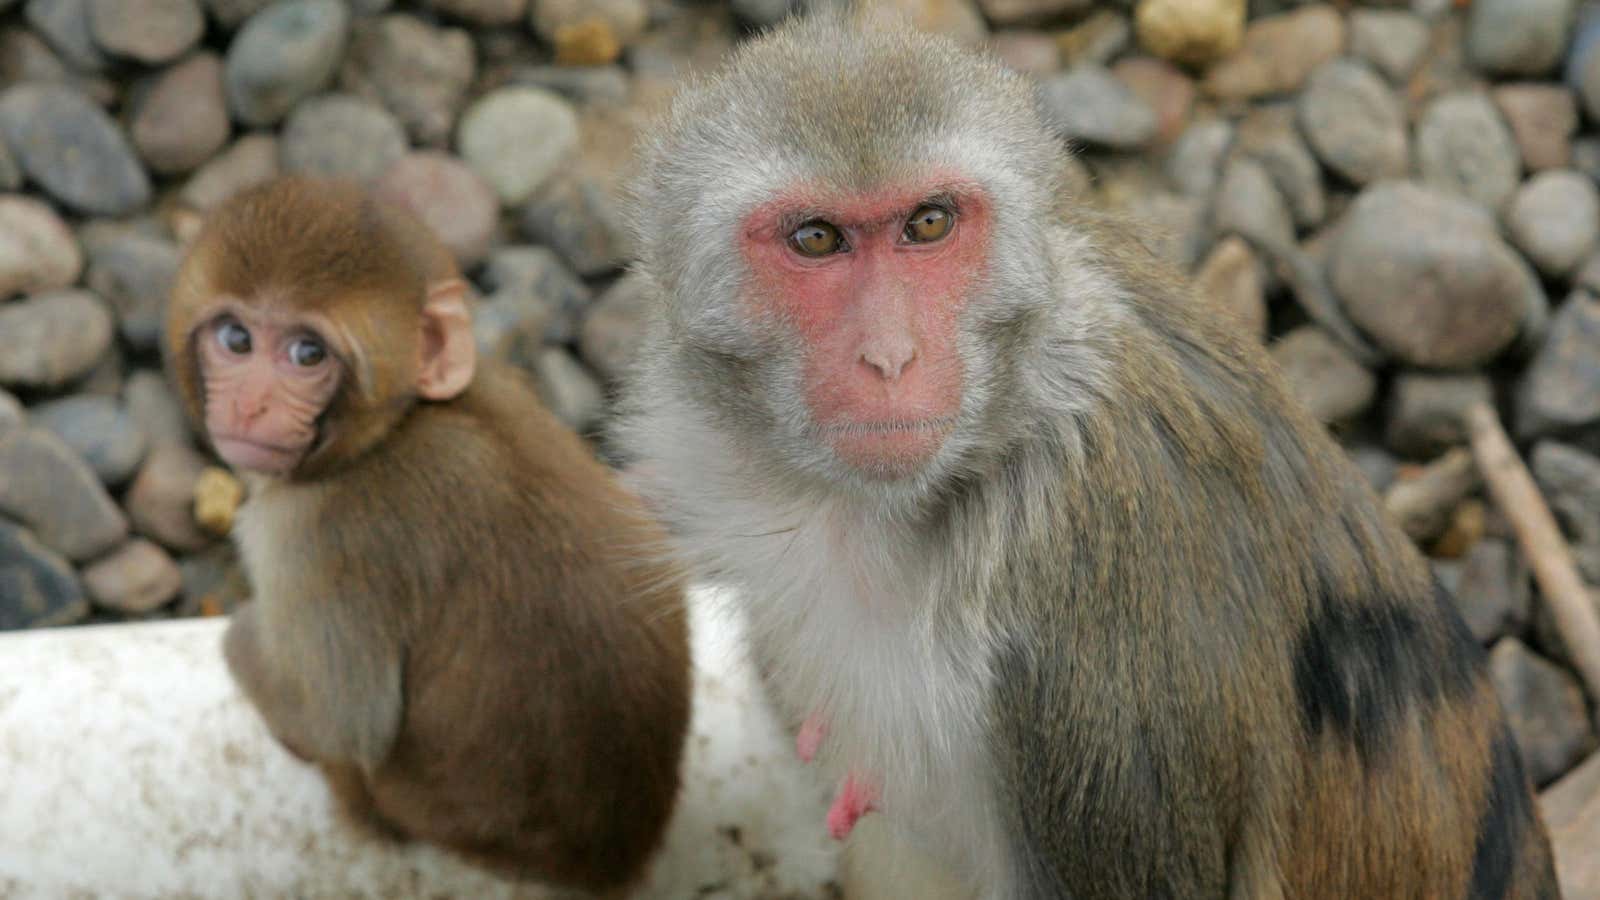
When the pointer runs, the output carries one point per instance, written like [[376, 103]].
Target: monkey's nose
[[889, 362], [249, 409]]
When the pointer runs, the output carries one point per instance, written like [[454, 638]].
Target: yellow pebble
[[587, 43], [217, 496]]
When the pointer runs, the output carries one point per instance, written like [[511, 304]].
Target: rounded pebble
[[1269, 136], [217, 495], [614, 327], [1322, 376], [160, 501], [249, 161], [1463, 145], [1352, 122], [154, 405], [135, 578], [1517, 37], [576, 217], [1543, 119], [449, 197], [38, 252], [1195, 163], [1560, 389], [288, 51], [516, 138], [1278, 54], [420, 72], [183, 120], [1427, 276], [1250, 205], [65, 25], [1554, 218], [1164, 88], [49, 489], [1392, 40], [148, 31], [1089, 104], [1231, 277], [134, 271], [1190, 32], [341, 136], [42, 590], [49, 339], [561, 21], [72, 149], [99, 429]]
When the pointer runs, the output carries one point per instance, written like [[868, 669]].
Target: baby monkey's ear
[[449, 355]]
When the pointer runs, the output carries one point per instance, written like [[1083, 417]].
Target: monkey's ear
[[449, 353]]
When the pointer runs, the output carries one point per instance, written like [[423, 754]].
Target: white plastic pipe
[[131, 766]]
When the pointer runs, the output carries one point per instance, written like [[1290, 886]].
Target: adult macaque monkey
[[451, 617], [1060, 581]]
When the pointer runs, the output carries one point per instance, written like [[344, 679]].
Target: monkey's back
[[546, 673], [1268, 693]]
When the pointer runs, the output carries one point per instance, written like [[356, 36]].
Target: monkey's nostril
[[889, 365]]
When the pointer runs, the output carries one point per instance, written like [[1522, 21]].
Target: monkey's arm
[[325, 699]]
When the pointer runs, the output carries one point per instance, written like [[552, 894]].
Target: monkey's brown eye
[[817, 238], [233, 337], [307, 352], [928, 224]]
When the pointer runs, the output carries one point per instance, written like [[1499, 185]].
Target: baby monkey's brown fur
[[451, 615]]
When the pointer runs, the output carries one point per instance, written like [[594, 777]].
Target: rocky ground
[[1399, 199]]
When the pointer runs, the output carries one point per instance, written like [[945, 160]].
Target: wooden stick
[[1514, 491]]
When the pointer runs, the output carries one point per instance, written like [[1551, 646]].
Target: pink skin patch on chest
[[856, 796], [855, 799], [809, 740], [877, 321]]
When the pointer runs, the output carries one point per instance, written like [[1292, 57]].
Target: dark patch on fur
[[1506, 814], [1361, 664]]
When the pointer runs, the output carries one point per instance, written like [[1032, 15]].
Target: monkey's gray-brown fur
[[1137, 629]]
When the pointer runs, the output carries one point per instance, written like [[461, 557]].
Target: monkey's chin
[[251, 456], [888, 450]]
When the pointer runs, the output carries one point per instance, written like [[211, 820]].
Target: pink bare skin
[[812, 732], [876, 318], [855, 799], [856, 796], [267, 379]]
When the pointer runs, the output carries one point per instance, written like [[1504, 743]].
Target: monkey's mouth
[[898, 426], [889, 448], [256, 456]]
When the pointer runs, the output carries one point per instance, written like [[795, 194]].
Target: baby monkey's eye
[[928, 224], [816, 238], [307, 352], [233, 337]]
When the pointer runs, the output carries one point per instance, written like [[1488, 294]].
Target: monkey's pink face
[[873, 286], [267, 379]]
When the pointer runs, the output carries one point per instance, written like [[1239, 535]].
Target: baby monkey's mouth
[[256, 456]]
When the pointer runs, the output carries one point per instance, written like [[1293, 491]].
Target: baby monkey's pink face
[[873, 285], [267, 380]]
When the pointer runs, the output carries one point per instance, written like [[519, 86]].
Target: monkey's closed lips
[[898, 444], [254, 456]]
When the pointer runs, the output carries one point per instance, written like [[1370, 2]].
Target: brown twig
[[1514, 491]]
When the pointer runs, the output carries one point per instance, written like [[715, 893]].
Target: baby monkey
[[452, 617]]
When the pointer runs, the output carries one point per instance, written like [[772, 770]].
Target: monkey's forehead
[[828, 100]]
